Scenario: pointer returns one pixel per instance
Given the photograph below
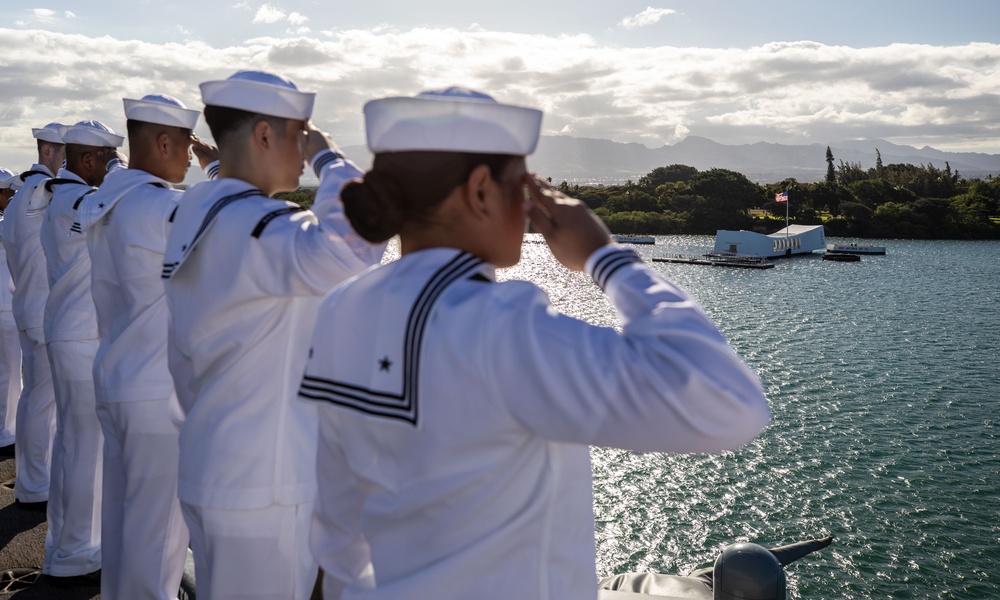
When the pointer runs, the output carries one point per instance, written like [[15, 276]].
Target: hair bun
[[373, 206]]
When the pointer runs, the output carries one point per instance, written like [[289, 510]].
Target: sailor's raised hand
[[571, 230], [205, 153], [317, 140]]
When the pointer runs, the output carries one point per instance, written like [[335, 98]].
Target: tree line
[[886, 201]]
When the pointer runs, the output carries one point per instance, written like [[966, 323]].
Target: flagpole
[[786, 214]]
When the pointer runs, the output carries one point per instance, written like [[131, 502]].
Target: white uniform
[[73, 543], [10, 353], [36, 409], [245, 276], [457, 414], [144, 541]]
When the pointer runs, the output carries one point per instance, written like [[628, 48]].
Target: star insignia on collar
[[101, 205], [384, 363]]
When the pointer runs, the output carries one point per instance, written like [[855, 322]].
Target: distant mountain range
[[594, 161]]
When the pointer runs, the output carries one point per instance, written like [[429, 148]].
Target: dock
[[713, 260]]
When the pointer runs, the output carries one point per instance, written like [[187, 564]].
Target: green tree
[[873, 192], [725, 190], [668, 174], [831, 174], [849, 172], [633, 200]]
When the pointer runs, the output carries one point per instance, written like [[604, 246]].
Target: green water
[[884, 383]]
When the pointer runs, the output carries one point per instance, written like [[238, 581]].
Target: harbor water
[[883, 378]]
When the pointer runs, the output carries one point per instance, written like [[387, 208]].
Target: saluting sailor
[[73, 543], [457, 412], [144, 538], [36, 410], [10, 346], [244, 277]]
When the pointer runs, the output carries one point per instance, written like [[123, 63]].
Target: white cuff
[[606, 261]]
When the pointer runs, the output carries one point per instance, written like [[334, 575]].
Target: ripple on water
[[882, 378]]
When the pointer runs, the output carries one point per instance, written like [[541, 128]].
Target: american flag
[[782, 197]]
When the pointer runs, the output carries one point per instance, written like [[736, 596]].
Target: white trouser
[[144, 535], [36, 420], [10, 376], [260, 553], [73, 540]]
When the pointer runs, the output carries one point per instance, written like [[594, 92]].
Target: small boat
[[855, 249], [635, 239], [842, 257]]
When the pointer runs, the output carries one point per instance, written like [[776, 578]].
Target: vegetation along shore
[[887, 201]]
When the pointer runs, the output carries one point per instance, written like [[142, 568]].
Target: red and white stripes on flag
[[782, 197]]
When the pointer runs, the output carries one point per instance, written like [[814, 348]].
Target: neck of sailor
[[266, 157], [51, 156], [483, 216], [89, 163], [5, 196]]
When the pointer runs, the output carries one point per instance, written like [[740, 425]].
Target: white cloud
[[783, 92], [268, 14], [649, 16], [43, 14], [242, 6], [69, 14]]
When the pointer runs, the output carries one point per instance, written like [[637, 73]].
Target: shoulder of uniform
[[278, 211], [57, 181]]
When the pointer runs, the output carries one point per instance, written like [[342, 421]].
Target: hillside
[[583, 160]]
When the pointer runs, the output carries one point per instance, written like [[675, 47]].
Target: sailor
[[10, 347], [144, 539], [244, 277], [457, 412], [36, 411], [73, 542]]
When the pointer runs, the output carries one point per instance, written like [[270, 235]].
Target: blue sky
[[913, 72]]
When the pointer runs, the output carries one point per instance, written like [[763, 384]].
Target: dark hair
[[224, 122], [406, 187], [135, 128]]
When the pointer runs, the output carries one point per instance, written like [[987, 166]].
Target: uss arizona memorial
[[789, 241]]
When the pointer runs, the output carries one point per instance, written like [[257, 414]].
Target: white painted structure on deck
[[791, 240]]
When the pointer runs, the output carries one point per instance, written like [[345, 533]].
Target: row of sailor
[[454, 412]]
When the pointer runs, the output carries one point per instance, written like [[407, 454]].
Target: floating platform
[[842, 257], [634, 239], [738, 262], [855, 249]]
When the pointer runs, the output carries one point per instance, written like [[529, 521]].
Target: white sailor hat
[[161, 109], [9, 180], [49, 133], [451, 120], [91, 133], [260, 92]]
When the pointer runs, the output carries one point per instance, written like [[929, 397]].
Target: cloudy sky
[[651, 71]]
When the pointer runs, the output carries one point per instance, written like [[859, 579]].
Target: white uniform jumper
[[457, 414], [10, 353], [36, 409], [144, 540], [245, 275], [73, 543]]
